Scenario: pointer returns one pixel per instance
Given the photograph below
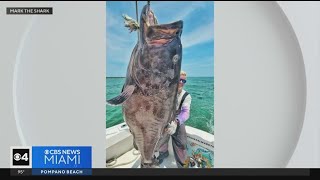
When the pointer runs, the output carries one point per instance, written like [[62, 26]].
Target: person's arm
[[185, 110]]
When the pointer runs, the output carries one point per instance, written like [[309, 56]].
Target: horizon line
[[125, 77]]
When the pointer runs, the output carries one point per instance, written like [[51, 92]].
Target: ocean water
[[202, 105]]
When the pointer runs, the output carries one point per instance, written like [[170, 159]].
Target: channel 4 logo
[[21, 157]]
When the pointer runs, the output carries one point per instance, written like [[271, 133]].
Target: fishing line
[[137, 19]]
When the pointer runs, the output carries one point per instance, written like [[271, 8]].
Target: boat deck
[[120, 152], [131, 159]]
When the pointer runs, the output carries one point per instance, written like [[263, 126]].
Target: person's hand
[[172, 127]]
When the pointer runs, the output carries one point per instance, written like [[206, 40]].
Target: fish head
[[161, 44], [163, 34], [148, 17], [157, 34]]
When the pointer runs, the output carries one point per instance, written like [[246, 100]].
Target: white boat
[[120, 152]]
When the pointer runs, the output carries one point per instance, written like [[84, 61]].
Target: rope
[[113, 163]]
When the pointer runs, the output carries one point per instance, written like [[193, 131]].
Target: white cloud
[[197, 67], [120, 46], [119, 41], [189, 9], [179, 10], [113, 20], [118, 55], [204, 62], [200, 35]]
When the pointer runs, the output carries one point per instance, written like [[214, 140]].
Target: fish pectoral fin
[[126, 93]]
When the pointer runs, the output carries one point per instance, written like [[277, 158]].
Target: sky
[[197, 36]]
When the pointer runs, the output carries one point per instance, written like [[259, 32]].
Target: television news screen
[[158, 88]]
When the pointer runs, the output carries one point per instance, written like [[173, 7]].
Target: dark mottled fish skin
[[154, 71]]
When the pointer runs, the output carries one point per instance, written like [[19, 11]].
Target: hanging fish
[[149, 95]]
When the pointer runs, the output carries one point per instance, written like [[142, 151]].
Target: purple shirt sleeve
[[185, 110], [184, 114]]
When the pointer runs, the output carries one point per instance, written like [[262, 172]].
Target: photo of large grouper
[[149, 95]]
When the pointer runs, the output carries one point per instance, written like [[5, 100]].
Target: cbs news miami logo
[[53, 160]]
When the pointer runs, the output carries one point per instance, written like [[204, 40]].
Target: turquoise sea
[[202, 106]]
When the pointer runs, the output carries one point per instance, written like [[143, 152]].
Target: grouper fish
[[149, 94]]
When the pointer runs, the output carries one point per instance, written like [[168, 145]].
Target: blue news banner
[[61, 160]]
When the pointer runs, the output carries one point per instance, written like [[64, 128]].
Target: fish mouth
[[159, 34], [164, 33], [149, 16]]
